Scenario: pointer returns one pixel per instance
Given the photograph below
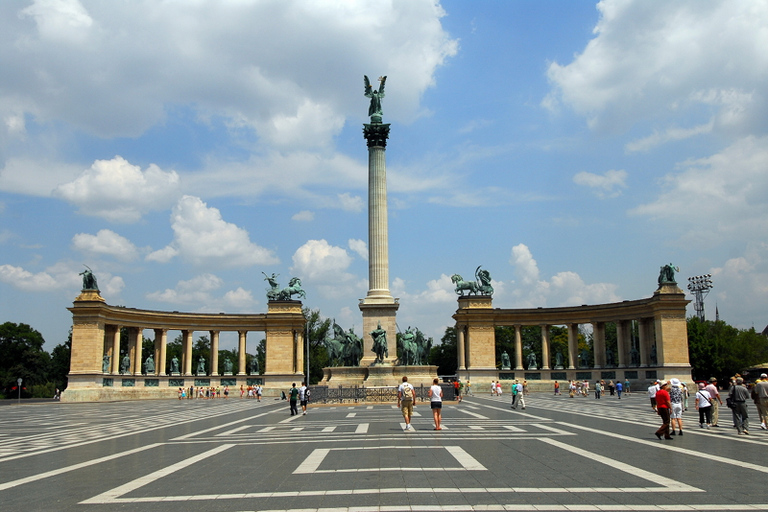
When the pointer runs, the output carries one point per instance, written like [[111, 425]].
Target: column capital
[[376, 134]]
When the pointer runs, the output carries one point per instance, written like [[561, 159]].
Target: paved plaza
[[559, 453]]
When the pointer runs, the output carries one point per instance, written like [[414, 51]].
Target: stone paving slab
[[239, 455]]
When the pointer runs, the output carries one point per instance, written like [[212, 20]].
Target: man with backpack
[[304, 397], [406, 396]]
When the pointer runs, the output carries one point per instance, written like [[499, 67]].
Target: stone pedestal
[[375, 312]]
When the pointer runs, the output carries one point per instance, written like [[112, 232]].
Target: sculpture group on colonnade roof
[[275, 293], [89, 280], [480, 286], [667, 274]]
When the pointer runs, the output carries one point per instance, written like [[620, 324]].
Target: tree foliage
[[444, 355], [22, 356], [719, 350]]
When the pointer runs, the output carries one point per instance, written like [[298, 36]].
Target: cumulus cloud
[[194, 291], [202, 236], [326, 266], [605, 185], [721, 197], [219, 56], [304, 216], [650, 60], [565, 288], [105, 242], [61, 276], [119, 191], [359, 247], [350, 203]]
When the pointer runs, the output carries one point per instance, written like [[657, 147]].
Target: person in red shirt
[[663, 406]]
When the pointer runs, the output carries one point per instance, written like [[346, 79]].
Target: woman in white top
[[436, 403], [704, 406]]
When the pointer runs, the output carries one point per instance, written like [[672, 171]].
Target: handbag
[[729, 402]]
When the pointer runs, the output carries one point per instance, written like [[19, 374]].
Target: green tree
[[60, 359], [22, 356], [444, 354], [716, 349], [317, 329]]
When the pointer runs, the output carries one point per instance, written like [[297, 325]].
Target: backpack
[[407, 391], [306, 394]]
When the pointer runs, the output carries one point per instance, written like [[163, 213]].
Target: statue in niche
[[105, 364], [201, 366], [506, 364], [559, 360], [532, 361], [174, 365], [149, 365], [125, 364], [667, 274], [654, 356], [584, 358], [379, 346], [254, 365], [634, 357], [610, 360], [227, 365], [89, 280], [374, 109]]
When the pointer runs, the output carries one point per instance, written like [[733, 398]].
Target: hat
[[701, 385], [712, 379], [763, 376], [675, 382]]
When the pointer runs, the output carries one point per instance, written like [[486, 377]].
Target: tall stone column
[[598, 339], [187, 347], [573, 345], [622, 342], [214, 352], [460, 347], [378, 307], [518, 347], [644, 330], [241, 335], [162, 334], [136, 340], [545, 347], [116, 350]]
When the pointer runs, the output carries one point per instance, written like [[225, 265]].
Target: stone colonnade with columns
[[661, 351], [96, 334]]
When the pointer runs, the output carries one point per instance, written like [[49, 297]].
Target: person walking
[[626, 387], [703, 404], [619, 388], [436, 403], [406, 396], [662, 408], [739, 394], [520, 395], [513, 389], [598, 390], [685, 396], [610, 387], [457, 389], [557, 388], [760, 394], [304, 398], [716, 401], [258, 392], [652, 390], [676, 411], [293, 397]]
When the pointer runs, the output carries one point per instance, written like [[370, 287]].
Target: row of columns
[[624, 339], [112, 348]]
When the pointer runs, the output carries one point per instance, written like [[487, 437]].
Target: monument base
[[378, 375]]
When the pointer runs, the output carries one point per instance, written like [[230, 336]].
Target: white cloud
[[105, 242], [121, 192], [61, 276], [221, 58], [670, 134], [606, 185], [194, 291], [239, 299], [304, 216], [359, 247], [563, 289], [718, 198], [202, 237], [325, 267], [650, 60], [36, 177], [350, 203]]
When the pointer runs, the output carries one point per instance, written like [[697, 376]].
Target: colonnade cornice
[[149, 319]]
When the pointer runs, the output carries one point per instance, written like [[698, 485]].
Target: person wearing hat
[[760, 394], [676, 399], [716, 400], [663, 408], [739, 394], [703, 404]]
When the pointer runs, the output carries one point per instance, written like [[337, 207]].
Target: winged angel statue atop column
[[374, 111]]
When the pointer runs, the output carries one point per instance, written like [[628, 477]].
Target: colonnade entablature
[[96, 361], [660, 349]]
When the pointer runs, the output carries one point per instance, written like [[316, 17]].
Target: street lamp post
[[18, 383], [700, 286]]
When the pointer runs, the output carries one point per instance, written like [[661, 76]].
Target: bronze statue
[[374, 110], [149, 365], [254, 365], [201, 366], [506, 364], [105, 364], [89, 280], [175, 365], [379, 347], [125, 364], [481, 285], [227, 365], [532, 361], [667, 274]]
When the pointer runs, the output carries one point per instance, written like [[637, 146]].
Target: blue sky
[[180, 149]]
